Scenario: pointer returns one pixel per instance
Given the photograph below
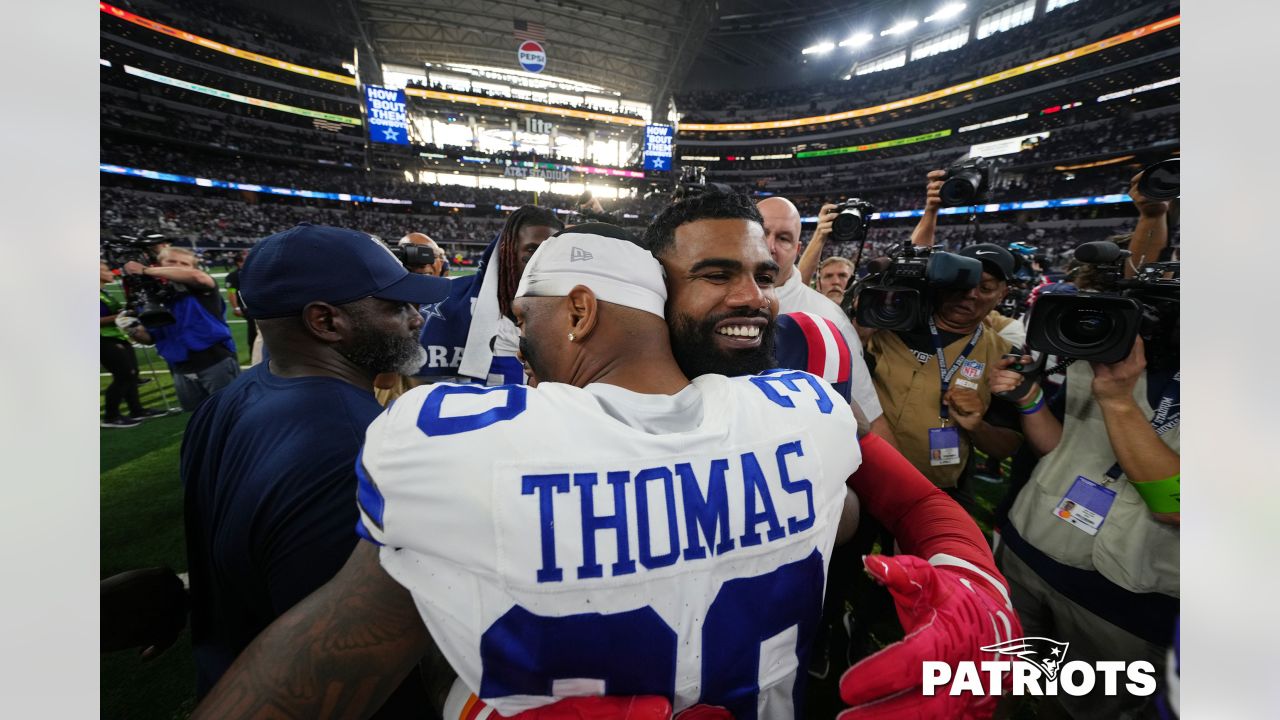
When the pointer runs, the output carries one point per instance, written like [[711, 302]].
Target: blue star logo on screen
[[659, 163], [390, 134]]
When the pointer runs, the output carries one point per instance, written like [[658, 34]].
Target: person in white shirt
[[782, 234]]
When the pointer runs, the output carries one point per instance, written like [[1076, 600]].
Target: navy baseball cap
[[309, 263], [995, 259]]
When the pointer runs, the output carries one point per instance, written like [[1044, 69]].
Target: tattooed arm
[[337, 654]]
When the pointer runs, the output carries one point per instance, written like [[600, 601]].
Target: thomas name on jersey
[[617, 521]]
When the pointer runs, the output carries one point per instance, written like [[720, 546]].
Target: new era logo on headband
[[577, 253]]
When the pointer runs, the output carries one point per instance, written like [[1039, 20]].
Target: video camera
[[853, 221], [411, 255], [1100, 325], [145, 297], [968, 182], [900, 294], [693, 182]]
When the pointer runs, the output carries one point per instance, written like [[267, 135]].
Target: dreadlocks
[[509, 250]]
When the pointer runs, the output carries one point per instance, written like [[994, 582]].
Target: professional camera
[[852, 222], [968, 182], [900, 296], [693, 182], [1161, 181], [1100, 325], [145, 297], [411, 255]]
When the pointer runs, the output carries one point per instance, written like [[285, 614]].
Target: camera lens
[[961, 188], [847, 226], [1162, 180], [1085, 328], [888, 308]]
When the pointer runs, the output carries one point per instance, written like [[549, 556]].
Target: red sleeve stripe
[[829, 356]]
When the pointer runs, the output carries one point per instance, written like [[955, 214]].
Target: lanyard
[[945, 375], [1165, 418]]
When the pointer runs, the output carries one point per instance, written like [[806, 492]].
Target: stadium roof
[[637, 47]]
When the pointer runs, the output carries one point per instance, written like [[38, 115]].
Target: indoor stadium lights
[[822, 47], [900, 27], [857, 40], [947, 12]]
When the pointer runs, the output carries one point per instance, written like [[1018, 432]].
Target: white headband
[[617, 271]]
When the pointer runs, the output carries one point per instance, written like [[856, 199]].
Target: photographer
[[834, 275], [436, 268], [931, 380], [198, 344], [1105, 576], [116, 355]]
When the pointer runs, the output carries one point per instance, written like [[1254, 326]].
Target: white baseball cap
[[599, 256]]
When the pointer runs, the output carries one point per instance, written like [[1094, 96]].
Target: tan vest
[[1133, 549], [910, 393]]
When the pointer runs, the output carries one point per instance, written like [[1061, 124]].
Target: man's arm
[[337, 654], [966, 407], [812, 255], [1041, 429], [1151, 235], [1141, 453], [923, 234], [233, 302], [185, 276]]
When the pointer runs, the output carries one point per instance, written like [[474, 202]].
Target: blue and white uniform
[[563, 541]]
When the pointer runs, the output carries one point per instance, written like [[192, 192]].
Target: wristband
[[1161, 496], [1034, 406]]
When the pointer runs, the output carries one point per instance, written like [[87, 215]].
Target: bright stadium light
[[947, 12], [901, 27], [822, 47], [857, 40]]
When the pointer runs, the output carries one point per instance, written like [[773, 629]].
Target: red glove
[[949, 610]]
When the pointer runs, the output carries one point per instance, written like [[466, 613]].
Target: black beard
[[693, 344], [530, 357], [378, 352]]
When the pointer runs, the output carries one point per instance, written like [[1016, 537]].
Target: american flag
[[525, 30]]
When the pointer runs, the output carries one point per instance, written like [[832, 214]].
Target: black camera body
[[145, 297], [968, 182], [413, 255], [1101, 325], [853, 221], [901, 298], [1161, 181], [693, 182]]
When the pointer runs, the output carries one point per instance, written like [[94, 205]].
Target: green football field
[[141, 514]]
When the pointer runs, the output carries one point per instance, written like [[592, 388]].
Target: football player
[[617, 529]]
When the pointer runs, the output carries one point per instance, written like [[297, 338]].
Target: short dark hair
[[661, 233]]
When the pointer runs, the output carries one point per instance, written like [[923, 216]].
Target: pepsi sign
[[532, 56]]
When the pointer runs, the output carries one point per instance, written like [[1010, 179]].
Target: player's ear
[[319, 318], [583, 311]]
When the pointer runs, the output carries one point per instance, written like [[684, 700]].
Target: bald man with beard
[[782, 234]]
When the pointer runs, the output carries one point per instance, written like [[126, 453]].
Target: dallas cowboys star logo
[[659, 163], [431, 311], [390, 134]]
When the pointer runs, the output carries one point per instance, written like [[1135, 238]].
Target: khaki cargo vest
[[910, 394], [1132, 550]]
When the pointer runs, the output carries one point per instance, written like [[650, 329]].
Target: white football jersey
[[555, 551]]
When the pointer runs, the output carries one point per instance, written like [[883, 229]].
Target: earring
[[571, 337]]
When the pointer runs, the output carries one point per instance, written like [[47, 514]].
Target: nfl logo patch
[[972, 369]]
